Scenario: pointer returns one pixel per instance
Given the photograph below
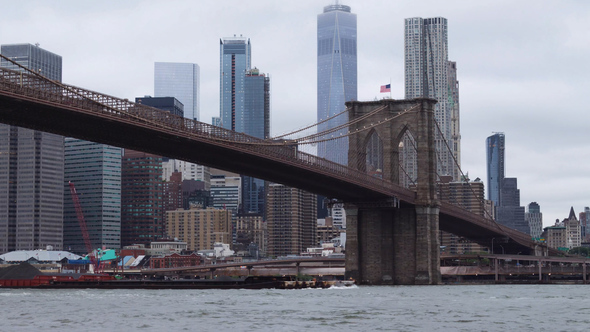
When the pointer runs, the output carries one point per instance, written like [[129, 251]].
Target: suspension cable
[[470, 187], [313, 125]]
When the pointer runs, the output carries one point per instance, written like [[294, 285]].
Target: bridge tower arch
[[392, 242]]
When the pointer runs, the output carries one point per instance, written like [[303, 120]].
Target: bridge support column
[[427, 246], [392, 246], [352, 244]]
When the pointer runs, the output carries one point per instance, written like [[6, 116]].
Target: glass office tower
[[255, 122], [244, 107], [495, 146], [31, 168], [95, 170], [179, 80], [235, 60], [337, 75]]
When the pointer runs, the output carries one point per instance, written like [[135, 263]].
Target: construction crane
[[82, 222]]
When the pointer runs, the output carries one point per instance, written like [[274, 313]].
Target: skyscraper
[[95, 170], [31, 168], [503, 191], [428, 73], [235, 60], [495, 146], [179, 80], [509, 212], [142, 219], [292, 222], [585, 223], [168, 104], [534, 217], [255, 122], [337, 75], [244, 107]]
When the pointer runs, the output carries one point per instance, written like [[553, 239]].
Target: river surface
[[364, 308]]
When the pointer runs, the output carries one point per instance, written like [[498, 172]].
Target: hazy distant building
[[226, 192], [189, 171], [585, 224], [327, 231], [428, 73], [199, 228], [142, 219], [495, 148], [251, 229], [169, 104], [555, 236], [338, 215], [95, 171], [468, 195], [510, 213], [534, 217], [336, 75], [291, 217], [182, 81], [573, 230], [172, 194], [31, 168], [194, 193]]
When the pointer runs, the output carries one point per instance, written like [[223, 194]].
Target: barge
[[27, 276]]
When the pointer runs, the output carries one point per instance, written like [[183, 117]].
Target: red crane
[[93, 260]]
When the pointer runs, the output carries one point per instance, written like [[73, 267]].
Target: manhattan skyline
[[515, 77]]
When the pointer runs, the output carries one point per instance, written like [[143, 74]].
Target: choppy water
[[401, 308]]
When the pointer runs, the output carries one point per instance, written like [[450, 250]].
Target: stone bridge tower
[[393, 242]]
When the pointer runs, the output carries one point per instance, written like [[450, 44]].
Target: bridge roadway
[[34, 102], [335, 266], [515, 267]]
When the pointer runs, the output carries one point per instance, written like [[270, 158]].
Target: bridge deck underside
[[487, 235], [113, 131]]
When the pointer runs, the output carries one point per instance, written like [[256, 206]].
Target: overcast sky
[[523, 67]]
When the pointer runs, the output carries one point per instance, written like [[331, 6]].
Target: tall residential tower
[[429, 74], [337, 75], [495, 146]]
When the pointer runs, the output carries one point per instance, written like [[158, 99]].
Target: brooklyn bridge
[[392, 231]]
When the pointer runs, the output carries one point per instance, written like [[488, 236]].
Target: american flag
[[386, 88]]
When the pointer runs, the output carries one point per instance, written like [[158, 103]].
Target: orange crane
[[82, 222]]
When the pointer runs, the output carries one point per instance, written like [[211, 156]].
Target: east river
[[399, 308]]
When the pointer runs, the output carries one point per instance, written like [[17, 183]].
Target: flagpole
[[390, 88]]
